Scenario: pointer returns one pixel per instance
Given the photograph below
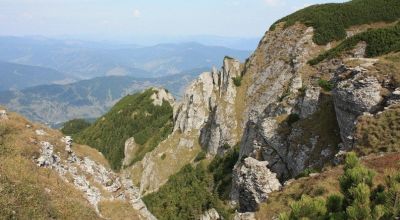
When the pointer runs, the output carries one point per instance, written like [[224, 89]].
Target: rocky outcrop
[[252, 182], [353, 96], [3, 115], [96, 182], [129, 149], [394, 98], [161, 95], [244, 216], [208, 108], [191, 114], [40, 132], [277, 97], [211, 214], [309, 103]]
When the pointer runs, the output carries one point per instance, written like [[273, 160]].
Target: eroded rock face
[[91, 177], [277, 95], [310, 102], [252, 182], [160, 96], [192, 112], [208, 107], [130, 147], [353, 97]]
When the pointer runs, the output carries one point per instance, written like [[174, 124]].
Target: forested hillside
[[133, 116], [331, 20]]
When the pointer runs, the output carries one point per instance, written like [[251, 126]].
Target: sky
[[130, 19]]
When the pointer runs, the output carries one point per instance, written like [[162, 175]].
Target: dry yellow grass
[[379, 133], [30, 192], [93, 154], [117, 210], [175, 158]]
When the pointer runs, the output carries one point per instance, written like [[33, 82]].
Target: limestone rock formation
[[3, 115], [310, 102], [208, 107], [162, 95], [211, 214], [95, 181], [130, 147], [252, 182], [244, 216], [354, 96], [278, 95]]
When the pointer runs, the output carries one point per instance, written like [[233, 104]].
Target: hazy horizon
[[144, 22]]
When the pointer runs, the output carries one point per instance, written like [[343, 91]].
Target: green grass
[[330, 20], [133, 116], [379, 42]]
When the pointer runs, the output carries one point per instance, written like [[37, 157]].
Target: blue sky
[[123, 19]]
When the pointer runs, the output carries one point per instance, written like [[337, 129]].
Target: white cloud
[[136, 13], [274, 3]]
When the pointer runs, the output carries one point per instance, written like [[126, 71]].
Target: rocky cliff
[[262, 113], [280, 110]]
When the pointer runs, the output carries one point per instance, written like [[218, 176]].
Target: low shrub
[[237, 81], [326, 85], [200, 156]]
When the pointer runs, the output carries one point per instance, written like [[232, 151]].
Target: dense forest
[[133, 116], [331, 20]]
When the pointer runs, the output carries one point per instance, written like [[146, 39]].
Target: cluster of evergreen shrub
[[133, 116], [326, 85], [330, 20], [74, 126], [237, 81], [221, 169], [194, 190], [359, 198], [379, 42]]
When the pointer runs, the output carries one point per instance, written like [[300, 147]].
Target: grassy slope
[[30, 192], [379, 133], [331, 20], [133, 116]]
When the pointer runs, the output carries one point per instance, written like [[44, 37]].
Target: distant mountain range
[[52, 104], [17, 76], [81, 59]]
